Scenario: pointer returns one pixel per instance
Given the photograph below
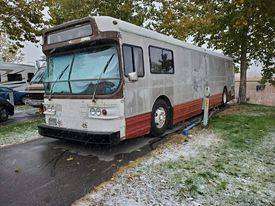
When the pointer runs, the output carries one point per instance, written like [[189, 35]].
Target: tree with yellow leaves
[[242, 29]]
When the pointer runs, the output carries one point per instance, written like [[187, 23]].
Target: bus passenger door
[[134, 83]]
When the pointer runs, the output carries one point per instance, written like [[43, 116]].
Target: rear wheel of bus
[[160, 118]]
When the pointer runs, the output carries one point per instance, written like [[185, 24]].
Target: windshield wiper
[[59, 77], [99, 78]]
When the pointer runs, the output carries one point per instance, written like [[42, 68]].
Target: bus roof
[[106, 23]]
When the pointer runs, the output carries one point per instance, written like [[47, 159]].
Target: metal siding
[[194, 71]]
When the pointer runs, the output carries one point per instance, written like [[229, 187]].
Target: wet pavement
[[54, 172]]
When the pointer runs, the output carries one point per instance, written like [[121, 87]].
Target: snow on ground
[[24, 108], [20, 129], [206, 170], [146, 183], [17, 138], [19, 132]]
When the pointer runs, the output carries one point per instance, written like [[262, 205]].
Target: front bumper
[[79, 135]]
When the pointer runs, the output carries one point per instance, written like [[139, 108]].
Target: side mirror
[[133, 77]]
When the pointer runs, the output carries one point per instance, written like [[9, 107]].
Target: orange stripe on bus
[[138, 125], [141, 124]]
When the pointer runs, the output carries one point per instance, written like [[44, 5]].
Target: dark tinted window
[[14, 77], [161, 60], [73, 33], [133, 60], [30, 76]]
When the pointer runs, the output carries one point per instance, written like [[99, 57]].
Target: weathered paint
[[74, 114], [186, 110], [138, 125], [194, 69], [141, 124]]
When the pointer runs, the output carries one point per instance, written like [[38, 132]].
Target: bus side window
[[133, 60], [161, 60], [128, 60]]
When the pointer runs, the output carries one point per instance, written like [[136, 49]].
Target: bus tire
[[160, 118], [3, 115], [224, 97]]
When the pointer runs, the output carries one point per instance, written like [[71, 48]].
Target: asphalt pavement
[[54, 172]]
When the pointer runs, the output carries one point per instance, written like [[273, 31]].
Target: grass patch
[[242, 131], [19, 128], [237, 171]]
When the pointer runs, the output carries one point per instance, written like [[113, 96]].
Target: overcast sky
[[31, 52]]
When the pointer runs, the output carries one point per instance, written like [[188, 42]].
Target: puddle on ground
[[103, 152]]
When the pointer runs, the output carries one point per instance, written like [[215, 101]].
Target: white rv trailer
[[16, 76], [35, 89], [110, 80]]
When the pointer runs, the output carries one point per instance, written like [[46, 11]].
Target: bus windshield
[[83, 72], [38, 76]]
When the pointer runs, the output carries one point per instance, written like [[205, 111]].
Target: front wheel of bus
[[160, 115]]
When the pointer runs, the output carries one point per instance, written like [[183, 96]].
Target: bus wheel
[[160, 118], [3, 115], [224, 97]]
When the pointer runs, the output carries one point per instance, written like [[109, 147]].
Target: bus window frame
[[133, 61], [69, 28], [151, 46]]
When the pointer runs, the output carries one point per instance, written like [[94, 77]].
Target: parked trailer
[[108, 80], [35, 90], [16, 76]]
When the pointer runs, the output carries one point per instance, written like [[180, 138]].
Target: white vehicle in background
[[16, 76], [35, 89], [108, 80]]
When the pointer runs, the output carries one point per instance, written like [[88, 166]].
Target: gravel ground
[[202, 171]]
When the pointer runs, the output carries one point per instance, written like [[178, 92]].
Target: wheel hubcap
[[160, 117]]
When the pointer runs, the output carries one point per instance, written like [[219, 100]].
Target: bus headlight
[[98, 111], [92, 111]]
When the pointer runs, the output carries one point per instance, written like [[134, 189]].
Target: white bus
[[108, 80]]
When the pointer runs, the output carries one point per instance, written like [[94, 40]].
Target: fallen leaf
[[70, 158], [17, 170]]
